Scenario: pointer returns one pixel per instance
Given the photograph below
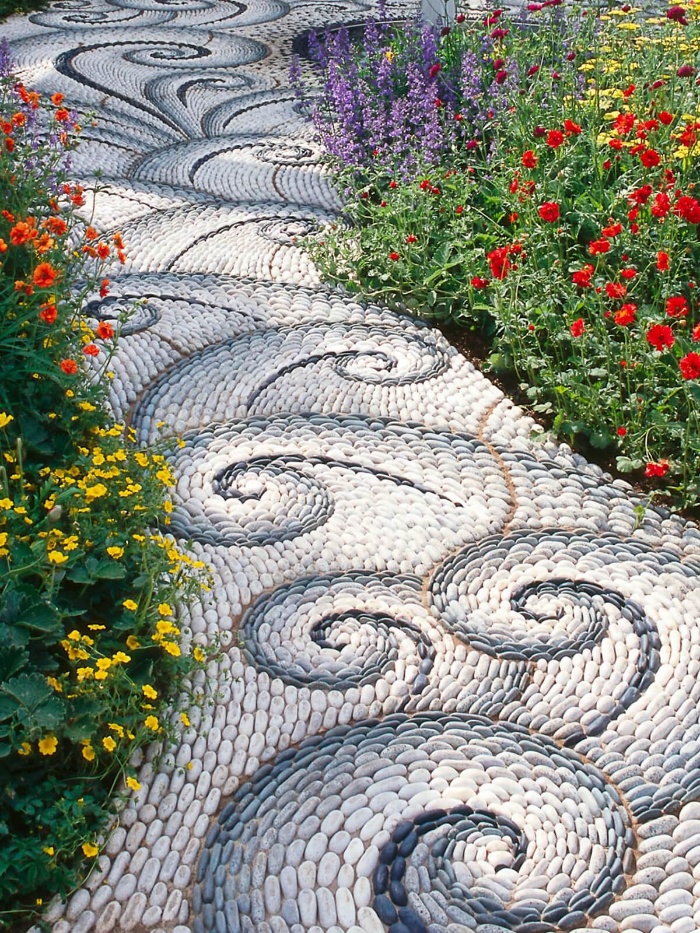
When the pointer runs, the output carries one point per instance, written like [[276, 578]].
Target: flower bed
[[537, 182], [91, 647]]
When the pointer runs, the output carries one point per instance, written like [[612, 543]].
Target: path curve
[[459, 690]]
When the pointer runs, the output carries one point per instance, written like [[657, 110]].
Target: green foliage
[[8, 7], [568, 234]]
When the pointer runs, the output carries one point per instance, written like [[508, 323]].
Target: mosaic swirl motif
[[459, 684], [462, 823]]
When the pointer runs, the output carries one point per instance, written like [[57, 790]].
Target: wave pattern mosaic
[[460, 682]]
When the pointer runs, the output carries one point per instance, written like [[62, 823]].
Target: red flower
[[677, 15], [661, 205], [615, 290], [539, 132], [624, 123], [572, 129], [628, 273], [621, 432], [662, 261], [91, 350], [685, 71], [578, 328], [598, 246], [532, 70], [666, 117], [660, 336], [500, 76], [23, 231], [549, 212], [612, 230], [394, 257], [459, 209], [657, 469], [529, 159], [677, 306], [499, 262], [478, 282], [555, 138], [582, 278], [626, 315], [103, 248], [696, 333], [57, 99], [690, 366], [641, 195], [104, 331], [629, 90], [392, 184], [649, 158], [499, 33], [104, 288], [688, 208], [44, 275], [434, 70], [48, 313], [70, 367]]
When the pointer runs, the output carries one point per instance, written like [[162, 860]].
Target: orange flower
[[9, 144], [10, 218], [90, 251], [104, 288], [61, 115], [91, 234], [105, 331], [44, 275], [102, 250], [19, 119], [3, 246], [57, 225], [118, 241], [48, 313], [23, 231], [91, 350], [57, 99], [70, 367], [44, 243]]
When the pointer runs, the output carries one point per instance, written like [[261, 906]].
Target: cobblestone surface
[[460, 682]]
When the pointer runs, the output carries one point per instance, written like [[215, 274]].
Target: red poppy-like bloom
[[696, 333], [434, 70], [70, 367], [48, 313], [685, 71], [104, 288], [615, 290], [578, 328], [91, 350], [677, 306], [532, 70], [499, 262], [660, 336], [529, 159], [555, 138], [392, 184], [666, 117], [500, 76], [677, 15], [690, 366], [103, 249], [572, 129], [582, 278], [628, 273], [688, 208], [657, 469], [44, 275], [626, 315], [598, 246], [649, 158], [23, 231], [411, 238], [104, 331], [661, 205], [459, 209], [621, 432], [62, 115], [662, 261], [57, 99], [549, 212], [394, 257], [479, 282], [641, 195], [612, 230]]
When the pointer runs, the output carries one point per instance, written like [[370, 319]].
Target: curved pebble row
[[459, 687]]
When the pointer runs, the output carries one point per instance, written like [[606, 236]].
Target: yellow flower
[[96, 628], [89, 849], [6, 504], [109, 743], [56, 684], [132, 642], [132, 783], [185, 719], [141, 458], [130, 605], [165, 609], [48, 745], [3, 538], [104, 663], [115, 552], [151, 722], [49, 850], [84, 673], [25, 749], [70, 544], [115, 727], [74, 635], [57, 557], [88, 751], [166, 627], [5, 419], [171, 648], [120, 658], [101, 675], [149, 692], [95, 492], [198, 654]]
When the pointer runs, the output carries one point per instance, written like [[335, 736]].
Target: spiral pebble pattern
[[459, 682]]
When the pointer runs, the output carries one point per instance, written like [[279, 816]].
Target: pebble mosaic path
[[459, 690]]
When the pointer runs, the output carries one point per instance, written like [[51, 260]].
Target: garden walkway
[[460, 684]]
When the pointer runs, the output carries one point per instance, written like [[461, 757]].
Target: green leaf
[[110, 570], [40, 618], [600, 439], [627, 465]]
